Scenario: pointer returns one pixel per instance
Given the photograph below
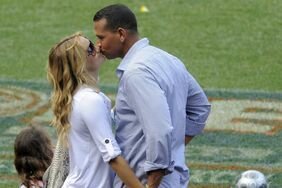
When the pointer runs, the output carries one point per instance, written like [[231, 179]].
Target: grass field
[[232, 47]]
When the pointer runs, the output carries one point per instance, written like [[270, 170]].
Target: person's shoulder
[[90, 96], [86, 97], [86, 92], [147, 52]]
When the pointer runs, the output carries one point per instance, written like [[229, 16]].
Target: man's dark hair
[[117, 15]]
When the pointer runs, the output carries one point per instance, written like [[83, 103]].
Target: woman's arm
[[95, 115], [122, 169]]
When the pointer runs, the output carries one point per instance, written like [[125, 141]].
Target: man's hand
[[188, 139], [155, 178]]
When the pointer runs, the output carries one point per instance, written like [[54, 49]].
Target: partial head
[[116, 29], [33, 153], [71, 62]]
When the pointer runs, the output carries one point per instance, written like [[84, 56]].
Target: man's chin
[[109, 56]]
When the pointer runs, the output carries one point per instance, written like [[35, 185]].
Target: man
[[159, 105]]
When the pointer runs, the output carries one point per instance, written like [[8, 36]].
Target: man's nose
[[98, 47]]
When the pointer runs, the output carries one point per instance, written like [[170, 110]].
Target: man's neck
[[129, 43]]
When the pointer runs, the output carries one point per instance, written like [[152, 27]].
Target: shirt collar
[[131, 52]]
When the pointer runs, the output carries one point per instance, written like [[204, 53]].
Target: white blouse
[[91, 141]]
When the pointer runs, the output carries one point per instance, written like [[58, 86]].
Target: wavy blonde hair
[[66, 71]]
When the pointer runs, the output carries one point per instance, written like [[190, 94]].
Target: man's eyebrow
[[99, 36]]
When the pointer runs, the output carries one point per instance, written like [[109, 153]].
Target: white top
[[91, 141]]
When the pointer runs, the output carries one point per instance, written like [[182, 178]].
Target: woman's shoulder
[[89, 96], [85, 91]]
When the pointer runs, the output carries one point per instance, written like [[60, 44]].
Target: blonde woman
[[82, 116]]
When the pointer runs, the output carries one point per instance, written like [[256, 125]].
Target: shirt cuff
[[193, 128], [111, 150], [149, 166]]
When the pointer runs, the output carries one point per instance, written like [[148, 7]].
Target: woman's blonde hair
[[66, 71]]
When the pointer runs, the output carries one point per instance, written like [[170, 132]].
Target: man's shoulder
[[149, 50]]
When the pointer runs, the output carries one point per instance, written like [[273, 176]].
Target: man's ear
[[122, 34]]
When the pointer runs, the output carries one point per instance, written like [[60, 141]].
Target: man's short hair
[[117, 15]]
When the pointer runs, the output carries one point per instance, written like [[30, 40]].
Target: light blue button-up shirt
[[158, 103]]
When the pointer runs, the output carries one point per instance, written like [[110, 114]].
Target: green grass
[[224, 44], [233, 44], [216, 158]]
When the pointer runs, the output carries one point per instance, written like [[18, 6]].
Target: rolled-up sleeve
[[197, 109], [149, 103], [97, 119]]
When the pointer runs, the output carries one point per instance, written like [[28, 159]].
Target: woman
[[82, 116], [33, 154]]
